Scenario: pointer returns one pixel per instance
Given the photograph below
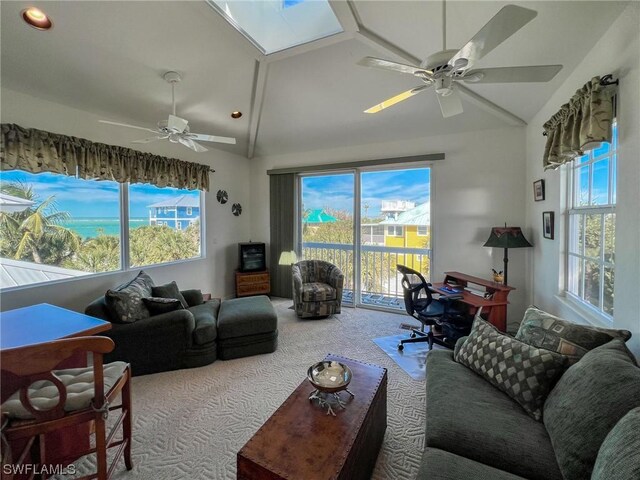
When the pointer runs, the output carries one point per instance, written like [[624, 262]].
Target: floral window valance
[[579, 125], [38, 151]]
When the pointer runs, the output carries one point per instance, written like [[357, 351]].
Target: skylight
[[274, 25]]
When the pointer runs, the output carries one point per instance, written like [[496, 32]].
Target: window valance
[[38, 151], [581, 124]]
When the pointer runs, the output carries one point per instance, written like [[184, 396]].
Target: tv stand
[[252, 283]]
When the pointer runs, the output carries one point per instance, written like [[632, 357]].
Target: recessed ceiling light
[[36, 18], [236, 114]]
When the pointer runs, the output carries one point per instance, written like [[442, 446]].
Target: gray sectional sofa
[[590, 425]]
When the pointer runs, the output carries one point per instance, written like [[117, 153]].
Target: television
[[252, 257]]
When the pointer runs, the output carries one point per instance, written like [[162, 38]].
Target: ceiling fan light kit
[[446, 68], [176, 129]]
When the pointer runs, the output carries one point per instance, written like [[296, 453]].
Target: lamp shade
[[288, 258], [507, 237]]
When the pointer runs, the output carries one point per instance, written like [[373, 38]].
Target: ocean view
[[92, 227]]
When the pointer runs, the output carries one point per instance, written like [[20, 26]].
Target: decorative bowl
[[328, 376]]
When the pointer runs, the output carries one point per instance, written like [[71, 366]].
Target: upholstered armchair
[[317, 288]]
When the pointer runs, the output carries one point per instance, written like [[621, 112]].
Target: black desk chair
[[420, 304]]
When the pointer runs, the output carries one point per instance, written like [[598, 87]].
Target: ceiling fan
[[447, 67], [175, 129]]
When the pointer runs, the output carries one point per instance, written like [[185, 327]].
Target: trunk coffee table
[[300, 441]]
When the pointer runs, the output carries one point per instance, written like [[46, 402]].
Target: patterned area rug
[[191, 423]]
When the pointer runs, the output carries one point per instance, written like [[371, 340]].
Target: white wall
[[617, 52], [214, 274], [480, 184]]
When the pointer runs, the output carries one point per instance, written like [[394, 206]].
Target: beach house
[[177, 213]]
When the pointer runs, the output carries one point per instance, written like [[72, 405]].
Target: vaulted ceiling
[[109, 57]]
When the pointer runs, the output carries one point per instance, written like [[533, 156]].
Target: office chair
[[420, 304]]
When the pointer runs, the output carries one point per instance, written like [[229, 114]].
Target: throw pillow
[[193, 297], [525, 373], [543, 330], [589, 399], [170, 290], [158, 305], [619, 454], [125, 301]]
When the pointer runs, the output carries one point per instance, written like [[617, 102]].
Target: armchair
[[317, 288]]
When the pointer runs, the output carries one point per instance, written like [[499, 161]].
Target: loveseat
[[589, 426], [183, 338]]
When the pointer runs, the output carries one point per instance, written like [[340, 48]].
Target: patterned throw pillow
[[158, 306], [543, 330], [125, 302], [525, 373]]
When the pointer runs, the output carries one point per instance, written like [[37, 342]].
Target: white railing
[[378, 276]]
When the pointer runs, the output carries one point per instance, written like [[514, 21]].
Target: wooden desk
[[40, 324], [494, 308]]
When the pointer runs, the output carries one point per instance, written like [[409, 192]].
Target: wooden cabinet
[[252, 283]]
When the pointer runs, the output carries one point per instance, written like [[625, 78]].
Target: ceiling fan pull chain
[[173, 97]]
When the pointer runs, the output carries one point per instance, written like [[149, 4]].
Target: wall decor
[[222, 196], [236, 209], [547, 225], [538, 190]]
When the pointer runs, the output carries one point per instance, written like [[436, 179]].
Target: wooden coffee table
[[300, 441]]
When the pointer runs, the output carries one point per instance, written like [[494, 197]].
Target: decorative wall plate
[[236, 209], [222, 196]]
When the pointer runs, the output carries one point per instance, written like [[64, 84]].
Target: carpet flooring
[[191, 423]]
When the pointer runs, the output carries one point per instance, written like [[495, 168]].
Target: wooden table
[[300, 441], [494, 307], [40, 324]]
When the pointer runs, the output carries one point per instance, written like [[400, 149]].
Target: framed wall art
[[547, 225], [538, 190]]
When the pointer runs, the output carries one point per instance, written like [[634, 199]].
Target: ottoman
[[247, 326]]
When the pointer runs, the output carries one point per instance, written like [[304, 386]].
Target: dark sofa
[[183, 338], [473, 430]]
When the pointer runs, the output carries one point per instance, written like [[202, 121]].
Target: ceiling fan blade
[[176, 123], [196, 147], [151, 139], [538, 73], [394, 66], [212, 138], [397, 99], [450, 105], [128, 126], [505, 23]]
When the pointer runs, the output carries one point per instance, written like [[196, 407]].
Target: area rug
[[191, 423], [412, 359]]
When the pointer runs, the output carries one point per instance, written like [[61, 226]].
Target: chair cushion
[[543, 330], [525, 373], [125, 301], [170, 290], [159, 305], [619, 454], [317, 292], [80, 388], [589, 399], [440, 465], [468, 416]]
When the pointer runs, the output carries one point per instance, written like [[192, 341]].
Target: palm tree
[[36, 230]]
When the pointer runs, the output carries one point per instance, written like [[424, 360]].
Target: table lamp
[[506, 237], [288, 258]]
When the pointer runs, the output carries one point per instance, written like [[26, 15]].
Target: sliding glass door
[[367, 222]]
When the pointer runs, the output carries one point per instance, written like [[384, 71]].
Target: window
[[423, 230], [60, 227], [179, 225], [394, 231], [592, 218], [189, 211]]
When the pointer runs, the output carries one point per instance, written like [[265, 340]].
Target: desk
[[40, 324], [494, 307]]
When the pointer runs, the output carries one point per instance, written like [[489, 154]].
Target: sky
[[336, 191], [92, 198]]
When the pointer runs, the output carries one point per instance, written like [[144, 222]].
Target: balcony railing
[[380, 283]]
